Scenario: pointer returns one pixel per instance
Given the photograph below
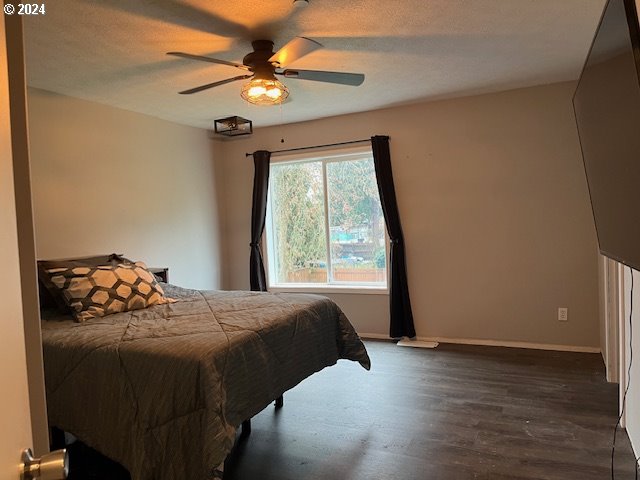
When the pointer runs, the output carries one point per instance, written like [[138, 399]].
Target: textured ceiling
[[113, 51]]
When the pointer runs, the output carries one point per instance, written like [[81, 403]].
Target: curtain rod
[[315, 146]]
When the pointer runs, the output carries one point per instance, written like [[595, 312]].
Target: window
[[325, 226]]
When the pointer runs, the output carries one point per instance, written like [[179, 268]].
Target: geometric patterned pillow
[[96, 291], [50, 295]]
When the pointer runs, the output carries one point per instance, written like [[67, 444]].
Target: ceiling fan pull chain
[[281, 125]]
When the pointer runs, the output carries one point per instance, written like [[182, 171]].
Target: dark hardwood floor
[[456, 412]]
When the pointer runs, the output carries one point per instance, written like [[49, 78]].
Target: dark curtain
[[401, 315], [258, 213]]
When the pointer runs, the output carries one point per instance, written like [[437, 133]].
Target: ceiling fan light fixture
[[260, 91]]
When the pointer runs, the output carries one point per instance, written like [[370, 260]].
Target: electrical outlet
[[563, 314]]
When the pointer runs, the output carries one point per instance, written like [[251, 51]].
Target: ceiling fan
[[263, 65]]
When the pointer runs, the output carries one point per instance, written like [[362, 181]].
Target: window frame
[[324, 156]]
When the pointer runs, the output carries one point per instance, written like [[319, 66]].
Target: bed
[[163, 389]]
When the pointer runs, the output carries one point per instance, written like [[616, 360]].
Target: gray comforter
[[162, 390]]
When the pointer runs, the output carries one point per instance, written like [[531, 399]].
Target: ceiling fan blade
[[353, 79], [208, 59], [179, 13], [295, 49], [214, 84]]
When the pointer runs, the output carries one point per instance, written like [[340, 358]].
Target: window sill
[[321, 289]]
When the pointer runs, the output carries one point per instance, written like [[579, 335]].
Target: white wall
[[108, 180], [632, 332], [495, 212]]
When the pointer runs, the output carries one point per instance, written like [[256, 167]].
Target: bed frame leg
[[246, 429], [246, 425]]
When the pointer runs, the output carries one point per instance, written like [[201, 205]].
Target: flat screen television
[[607, 108]]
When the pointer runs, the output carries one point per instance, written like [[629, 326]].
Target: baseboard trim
[[494, 343], [374, 336]]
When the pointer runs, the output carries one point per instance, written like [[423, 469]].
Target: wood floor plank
[[451, 413], [455, 412]]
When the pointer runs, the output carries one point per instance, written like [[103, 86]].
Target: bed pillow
[[96, 291], [51, 296]]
